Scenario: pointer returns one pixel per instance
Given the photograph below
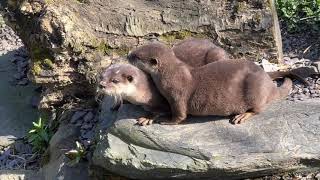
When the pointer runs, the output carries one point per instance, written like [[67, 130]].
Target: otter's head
[[150, 57], [118, 81]]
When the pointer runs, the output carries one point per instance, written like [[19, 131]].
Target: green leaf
[[32, 131]]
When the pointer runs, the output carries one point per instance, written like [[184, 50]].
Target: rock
[[86, 126], [58, 168], [76, 116], [21, 61], [16, 116], [21, 147], [19, 75], [21, 65], [35, 101], [20, 175], [23, 82], [317, 65], [88, 135], [282, 138], [68, 32], [317, 176], [88, 117]]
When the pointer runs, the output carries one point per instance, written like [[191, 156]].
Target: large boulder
[[68, 40], [58, 165], [285, 137]]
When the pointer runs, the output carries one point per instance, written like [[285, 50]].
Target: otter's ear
[[153, 62], [130, 78]]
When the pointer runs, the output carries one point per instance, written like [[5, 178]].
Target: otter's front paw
[[238, 119], [144, 121]]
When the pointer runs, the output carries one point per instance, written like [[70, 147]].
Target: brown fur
[[199, 52], [220, 88], [127, 82]]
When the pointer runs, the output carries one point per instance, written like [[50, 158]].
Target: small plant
[[297, 13], [75, 154], [39, 136]]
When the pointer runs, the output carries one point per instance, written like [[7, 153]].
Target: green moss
[[48, 1], [180, 35], [48, 63], [36, 68], [106, 49], [122, 51], [41, 59], [39, 54]]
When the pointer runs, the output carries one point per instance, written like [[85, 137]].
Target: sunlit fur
[[109, 88]]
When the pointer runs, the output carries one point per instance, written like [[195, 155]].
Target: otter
[[129, 83], [238, 87], [152, 101], [198, 52]]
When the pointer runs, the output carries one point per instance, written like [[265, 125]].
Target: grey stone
[[86, 143], [16, 115], [19, 75], [21, 65], [23, 82], [284, 137], [317, 176], [88, 117], [21, 61], [58, 168], [317, 65], [46, 73], [21, 147], [88, 135], [77, 115], [20, 175], [87, 126], [35, 100]]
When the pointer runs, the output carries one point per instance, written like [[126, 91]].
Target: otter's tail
[[284, 89], [281, 74]]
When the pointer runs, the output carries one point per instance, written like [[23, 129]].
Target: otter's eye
[[115, 81], [130, 78], [153, 62]]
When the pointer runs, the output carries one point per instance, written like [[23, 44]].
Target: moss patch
[[36, 68], [48, 1], [171, 37], [41, 59], [107, 50], [48, 63]]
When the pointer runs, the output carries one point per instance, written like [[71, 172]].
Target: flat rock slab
[[283, 138], [16, 113], [20, 175]]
